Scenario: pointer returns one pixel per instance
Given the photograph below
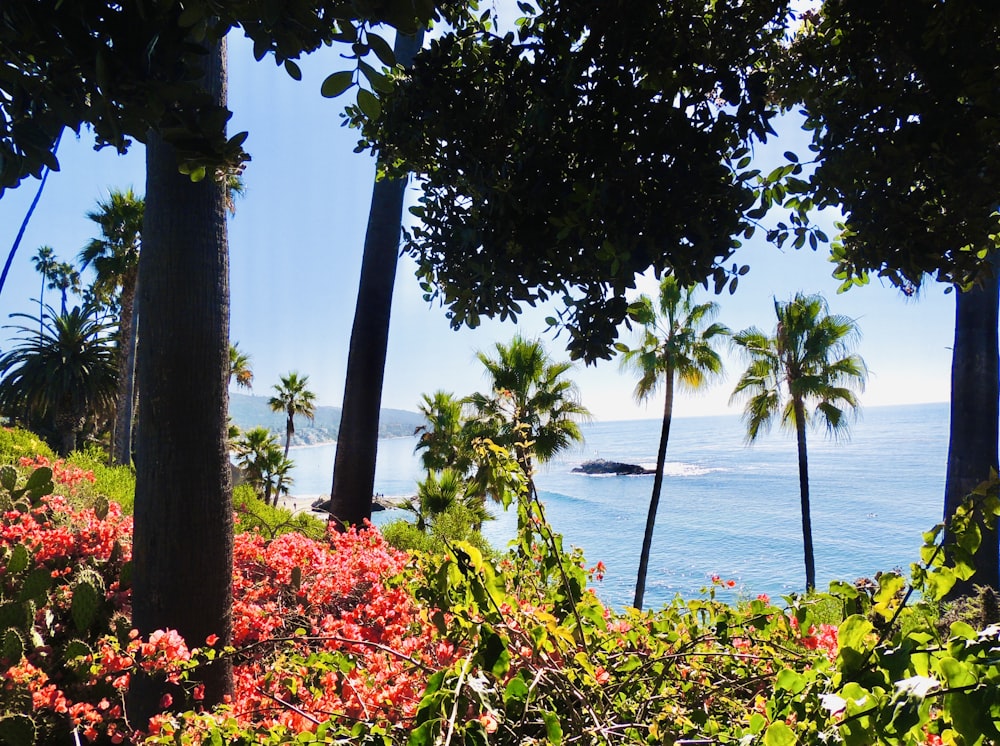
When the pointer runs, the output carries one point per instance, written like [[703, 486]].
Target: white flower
[[479, 683], [833, 703], [990, 633], [917, 686]]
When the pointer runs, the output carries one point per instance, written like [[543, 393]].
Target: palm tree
[[676, 348], [64, 278], [45, 262], [292, 397], [239, 367], [62, 377], [808, 361], [357, 438], [115, 258], [259, 455], [532, 409], [183, 538], [441, 439], [443, 491]]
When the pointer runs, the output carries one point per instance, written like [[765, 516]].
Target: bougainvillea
[[347, 639]]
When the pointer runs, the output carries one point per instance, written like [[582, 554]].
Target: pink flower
[[488, 722], [165, 701]]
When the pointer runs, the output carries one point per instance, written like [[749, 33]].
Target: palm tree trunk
[[972, 446], [357, 436], [41, 309], [807, 538], [183, 522], [121, 444], [654, 500]]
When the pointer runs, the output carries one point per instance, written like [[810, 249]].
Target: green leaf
[[337, 83], [381, 49], [516, 692], [293, 70], [378, 81], [790, 681], [369, 104], [957, 674], [779, 734], [853, 631], [553, 728]]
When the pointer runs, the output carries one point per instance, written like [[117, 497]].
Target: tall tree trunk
[[807, 537], [121, 444], [183, 536], [972, 446], [654, 500], [357, 436]]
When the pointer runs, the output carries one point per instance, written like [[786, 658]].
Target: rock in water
[[600, 466]]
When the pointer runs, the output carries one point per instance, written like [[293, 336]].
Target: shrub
[[16, 443], [453, 525], [254, 514], [346, 639], [116, 483]]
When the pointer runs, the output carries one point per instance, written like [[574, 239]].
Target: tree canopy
[[126, 69], [600, 140], [905, 114]]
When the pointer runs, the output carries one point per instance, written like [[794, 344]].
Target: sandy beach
[[304, 503]]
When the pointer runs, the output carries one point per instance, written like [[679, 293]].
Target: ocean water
[[726, 508]]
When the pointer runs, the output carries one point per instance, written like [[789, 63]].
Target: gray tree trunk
[[972, 445], [654, 500], [357, 436], [183, 523]]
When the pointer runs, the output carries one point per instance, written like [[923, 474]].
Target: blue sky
[[296, 243]]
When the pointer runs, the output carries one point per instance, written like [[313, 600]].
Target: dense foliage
[[905, 120], [346, 638], [598, 141]]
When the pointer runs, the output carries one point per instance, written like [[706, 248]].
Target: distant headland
[[248, 412]]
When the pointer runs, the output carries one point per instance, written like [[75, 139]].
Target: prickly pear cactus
[[8, 477], [28, 496], [88, 599], [17, 730]]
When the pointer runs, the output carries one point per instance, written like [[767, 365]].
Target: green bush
[[117, 483], [454, 524], [253, 514], [16, 443]]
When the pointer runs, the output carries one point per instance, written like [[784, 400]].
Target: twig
[[337, 638], [454, 706], [290, 706]]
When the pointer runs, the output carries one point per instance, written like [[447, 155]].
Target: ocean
[[726, 509]]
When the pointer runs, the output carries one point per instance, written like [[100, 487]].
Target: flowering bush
[[347, 639]]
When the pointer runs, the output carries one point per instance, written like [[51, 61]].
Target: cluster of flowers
[[298, 600], [69, 477], [340, 596], [331, 630]]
